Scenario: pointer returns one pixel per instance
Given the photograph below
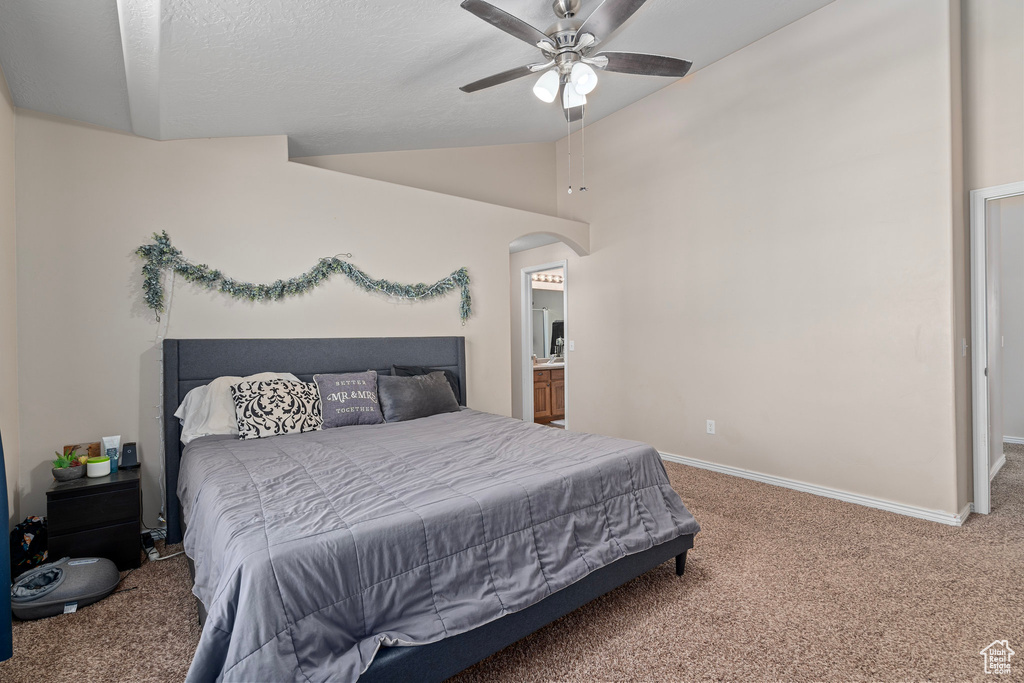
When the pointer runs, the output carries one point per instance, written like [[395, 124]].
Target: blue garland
[[161, 255]]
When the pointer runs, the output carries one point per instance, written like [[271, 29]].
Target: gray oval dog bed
[[64, 585]]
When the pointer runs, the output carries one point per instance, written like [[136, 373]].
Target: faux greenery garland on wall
[[160, 255]]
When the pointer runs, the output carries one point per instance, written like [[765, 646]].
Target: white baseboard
[[1013, 439], [964, 514], [996, 467], [939, 516]]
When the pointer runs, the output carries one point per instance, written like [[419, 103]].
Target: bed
[[403, 551]]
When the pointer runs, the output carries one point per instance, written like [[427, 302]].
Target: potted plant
[[69, 465]]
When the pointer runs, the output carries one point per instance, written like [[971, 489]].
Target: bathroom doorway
[[997, 292], [544, 345]]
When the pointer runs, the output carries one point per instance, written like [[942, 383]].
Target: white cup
[[97, 469]]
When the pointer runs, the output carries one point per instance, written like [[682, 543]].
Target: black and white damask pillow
[[275, 407]]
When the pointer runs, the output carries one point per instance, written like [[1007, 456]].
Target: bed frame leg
[[681, 563]]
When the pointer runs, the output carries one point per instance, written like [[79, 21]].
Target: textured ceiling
[[336, 77], [63, 57]]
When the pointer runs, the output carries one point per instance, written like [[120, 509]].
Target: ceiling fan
[[568, 51]]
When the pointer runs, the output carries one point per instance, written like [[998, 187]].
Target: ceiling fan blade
[[643, 65], [608, 17], [498, 79], [499, 18]]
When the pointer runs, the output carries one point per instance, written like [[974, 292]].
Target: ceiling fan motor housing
[[565, 60], [564, 39]]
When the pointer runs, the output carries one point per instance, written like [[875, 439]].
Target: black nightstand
[[96, 518]]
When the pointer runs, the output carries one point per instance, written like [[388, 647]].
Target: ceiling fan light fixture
[[583, 78], [571, 97], [546, 87]]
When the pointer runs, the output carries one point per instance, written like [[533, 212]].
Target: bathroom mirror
[[548, 314], [541, 332]]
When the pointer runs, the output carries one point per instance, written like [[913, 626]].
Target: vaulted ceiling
[[335, 76]]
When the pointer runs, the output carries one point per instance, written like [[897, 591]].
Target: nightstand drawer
[[67, 515], [119, 543]]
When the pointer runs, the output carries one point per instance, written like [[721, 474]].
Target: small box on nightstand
[[96, 518]]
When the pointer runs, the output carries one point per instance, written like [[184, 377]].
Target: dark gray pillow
[[411, 370], [349, 399], [407, 398]]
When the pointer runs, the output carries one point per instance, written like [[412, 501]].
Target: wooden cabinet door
[[541, 396], [557, 399]]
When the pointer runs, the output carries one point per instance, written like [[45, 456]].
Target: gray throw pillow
[[410, 370], [407, 398], [349, 399]]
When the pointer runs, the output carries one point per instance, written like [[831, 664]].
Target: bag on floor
[[28, 545], [63, 586]]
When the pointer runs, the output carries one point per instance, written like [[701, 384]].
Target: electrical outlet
[[711, 426]]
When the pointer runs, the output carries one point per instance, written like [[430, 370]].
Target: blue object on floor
[[6, 634]]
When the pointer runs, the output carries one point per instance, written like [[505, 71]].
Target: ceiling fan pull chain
[[568, 143], [583, 151]]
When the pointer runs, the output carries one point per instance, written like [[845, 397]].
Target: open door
[[987, 335]]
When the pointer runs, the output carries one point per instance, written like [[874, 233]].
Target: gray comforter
[[311, 550]]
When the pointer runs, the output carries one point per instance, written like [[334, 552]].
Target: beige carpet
[[148, 633], [780, 586]]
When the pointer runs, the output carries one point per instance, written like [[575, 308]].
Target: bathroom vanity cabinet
[[548, 394]]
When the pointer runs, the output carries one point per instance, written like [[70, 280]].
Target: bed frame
[[189, 363]]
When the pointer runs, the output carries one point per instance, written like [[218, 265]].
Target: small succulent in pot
[[68, 465]]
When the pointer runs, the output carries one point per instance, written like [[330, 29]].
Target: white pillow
[[210, 409]]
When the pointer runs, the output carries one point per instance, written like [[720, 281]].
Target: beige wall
[[517, 176], [778, 229], [87, 197], [8, 306], [993, 33]]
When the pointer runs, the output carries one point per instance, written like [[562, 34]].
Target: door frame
[[979, 335], [526, 340]]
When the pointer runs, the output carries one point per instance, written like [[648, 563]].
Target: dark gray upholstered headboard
[[189, 363]]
